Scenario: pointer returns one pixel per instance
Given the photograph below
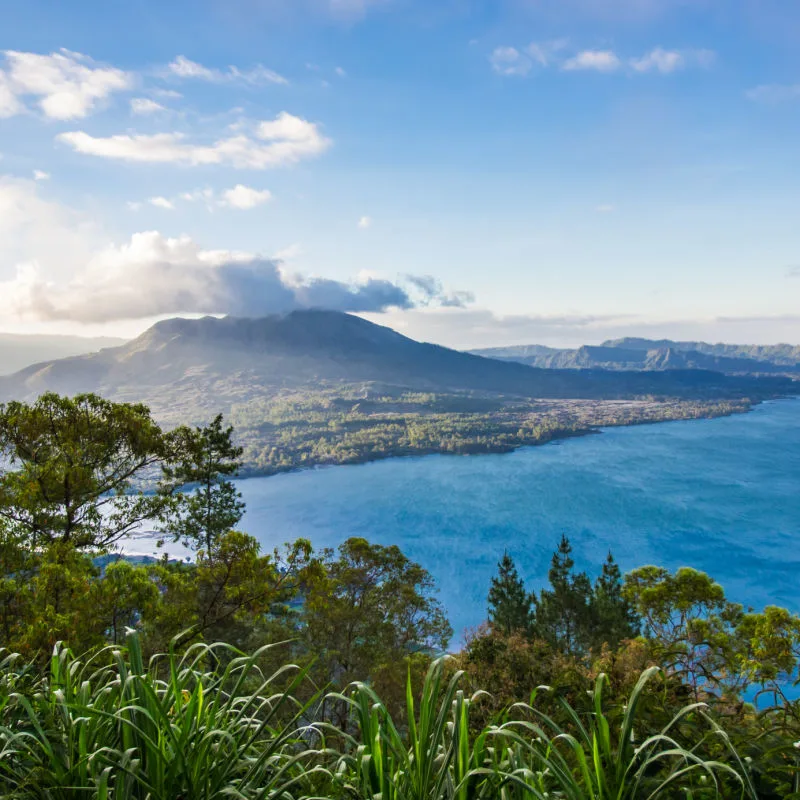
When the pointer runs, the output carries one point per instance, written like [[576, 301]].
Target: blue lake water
[[720, 495]]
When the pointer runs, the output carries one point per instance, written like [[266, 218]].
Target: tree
[[71, 469], [121, 598], [228, 592], [214, 507], [373, 610], [613, 617], [691, 626], [509, 604], [563, 612]]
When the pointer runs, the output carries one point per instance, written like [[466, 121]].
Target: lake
[[721, 495]]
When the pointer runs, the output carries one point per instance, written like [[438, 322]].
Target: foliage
[[208, 458], [563, 612], [510, 606], [351, 424], [369, 613], [211, 723], [74, 461]]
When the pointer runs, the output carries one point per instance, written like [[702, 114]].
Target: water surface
[[721, 495]]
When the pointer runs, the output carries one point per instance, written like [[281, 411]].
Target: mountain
[[188, 369], [779, 355], [20, 350], [657, 355]]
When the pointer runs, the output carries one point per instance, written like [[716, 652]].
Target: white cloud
[[183, 67], [67, 85], [667, 61], [134, 205], [152, 275], [509, 61], [660, 60], [144, 105], [33, 228], [199, 195], [364, 222], [774, 93], [543, 53], [41, 175], [161, 202], [285, 140], [244, 197], [599, 60], [239, 197], [9, 103]]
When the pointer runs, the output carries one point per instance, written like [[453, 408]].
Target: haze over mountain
[[21, 350], [656, 354], [187, 369]]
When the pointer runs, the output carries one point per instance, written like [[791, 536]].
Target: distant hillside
[[188, 369], [657, 355], [776, 354], [21, 350]]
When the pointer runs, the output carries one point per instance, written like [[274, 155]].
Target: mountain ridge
[[634, 353], [208, 364]]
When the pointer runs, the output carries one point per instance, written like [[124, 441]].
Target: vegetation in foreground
[[612, 687]]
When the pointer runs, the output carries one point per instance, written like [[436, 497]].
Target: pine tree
[[563, 612], [209, 505], [509, 603], [613, 617]]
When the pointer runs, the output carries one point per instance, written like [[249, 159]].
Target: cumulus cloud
[[598, 60], [144, 105], [279, 142], [509, 61], [153, 275], [364, 222], [66, 85], [244, 197], [41, 175], [769, 93], [183, 67]]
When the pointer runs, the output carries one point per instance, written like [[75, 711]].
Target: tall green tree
[[691, 626], [207, 505], [229, 592], [613, 617], [563, 612], [71, 467], [371, 612], [509, 604]]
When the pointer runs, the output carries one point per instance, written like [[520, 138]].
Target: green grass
[[208, 723]]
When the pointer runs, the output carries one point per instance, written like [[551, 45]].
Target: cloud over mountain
[[153, 275]]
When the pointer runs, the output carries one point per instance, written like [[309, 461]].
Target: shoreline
[[552, 437]]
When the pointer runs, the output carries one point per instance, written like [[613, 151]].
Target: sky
[[469, 172]]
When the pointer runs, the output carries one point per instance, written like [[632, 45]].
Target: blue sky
[[469, 172]]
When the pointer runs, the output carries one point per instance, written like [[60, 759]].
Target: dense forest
[[351, 426], [323, 674]]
